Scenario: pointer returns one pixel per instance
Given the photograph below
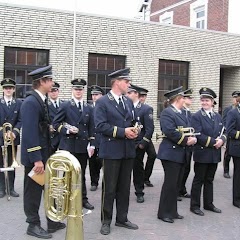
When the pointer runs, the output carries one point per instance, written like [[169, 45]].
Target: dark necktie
[[120, 103], [211, 116], [79, 107], [56, 105], [9, 104]]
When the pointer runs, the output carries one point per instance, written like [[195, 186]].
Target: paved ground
[[224, 226]]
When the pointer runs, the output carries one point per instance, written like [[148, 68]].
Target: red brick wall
[[217, 13]]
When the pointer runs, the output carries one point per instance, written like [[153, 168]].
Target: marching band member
[[35, 149], [207, 152], [53, 105], [228, 157], [233, 131], [144, 113], [113, 119], [95, 163], [172, 153], [189, 150], [74, 121], [150, 149], [10, 113]]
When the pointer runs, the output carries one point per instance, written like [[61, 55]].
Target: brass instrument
[[187, 132], [8, 140], [63, 192]]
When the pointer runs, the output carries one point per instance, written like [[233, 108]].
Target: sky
[[118, 8]]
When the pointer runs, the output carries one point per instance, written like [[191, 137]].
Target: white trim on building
[[198, 14], [166, 18]]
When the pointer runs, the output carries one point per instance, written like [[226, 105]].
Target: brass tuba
[[63, 192], [8, 140]]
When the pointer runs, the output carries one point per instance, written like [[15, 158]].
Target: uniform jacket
[[111, 122], [173, 145], [55, 137], [97, 136], [233, 131], [204, 151], [225, 113], [11, 115], [144, 114], [35, 130], [69, 113]]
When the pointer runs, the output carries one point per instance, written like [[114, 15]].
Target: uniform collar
[[42, 96]]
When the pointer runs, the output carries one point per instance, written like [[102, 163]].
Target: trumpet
[[8, 141], [63, 192], [187, 132]]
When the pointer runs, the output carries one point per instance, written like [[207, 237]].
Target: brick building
[[203, 14], [161, 57]]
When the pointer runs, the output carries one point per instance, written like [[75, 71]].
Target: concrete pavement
[[212, 226]]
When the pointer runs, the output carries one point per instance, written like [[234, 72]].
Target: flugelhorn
[[63, 192]]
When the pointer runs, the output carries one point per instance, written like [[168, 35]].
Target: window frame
[[165, 16]]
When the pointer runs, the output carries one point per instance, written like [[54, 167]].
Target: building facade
[[161, 57], [203, 14]]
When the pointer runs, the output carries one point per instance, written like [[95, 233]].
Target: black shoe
[[148, 183], [168, 220], [127, 224], [140, 199], [179, 199], [14, 194], [38, 231], [87, 205], [53, 227], [213, 209], [197, 211], [2, 194], [93, 188], [105, 229], [236, 205], [226, 175], [179, 217]]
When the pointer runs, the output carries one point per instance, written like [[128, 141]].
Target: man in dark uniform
[[189, 150], [53, 105], [35, 149], [144, 115], [95, 163], [150, 149], [227, 157], [207, 152], [233, 130], [10, 113], [113, 117], [74, 121]]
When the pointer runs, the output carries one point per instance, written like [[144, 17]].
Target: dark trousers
[[82, 158], [11, 174], [32, 198], [138, 172], [116, 185], [204, 176], [170, 188], [236, 180], [187, 169], [95, 165], [151, 152], [226, 162]]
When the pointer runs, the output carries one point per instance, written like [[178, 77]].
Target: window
[[18, 62], [99, 66], [166, 18], [172, 74], [198, 14]]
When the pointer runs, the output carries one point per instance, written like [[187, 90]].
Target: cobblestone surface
[[212, 226]]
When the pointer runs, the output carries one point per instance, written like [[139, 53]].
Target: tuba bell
[[63, 192]]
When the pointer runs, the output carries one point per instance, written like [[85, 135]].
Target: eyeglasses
[[54, 89]]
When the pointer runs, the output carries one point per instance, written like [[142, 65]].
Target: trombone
[[8, 140]]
